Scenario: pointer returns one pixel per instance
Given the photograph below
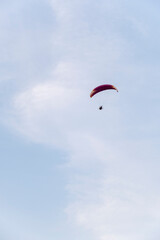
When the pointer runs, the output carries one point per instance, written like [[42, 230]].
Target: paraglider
[[102, 88]]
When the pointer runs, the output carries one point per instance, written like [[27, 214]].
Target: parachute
[[102, 88]]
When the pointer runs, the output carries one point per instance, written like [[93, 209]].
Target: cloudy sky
[[67, 170]]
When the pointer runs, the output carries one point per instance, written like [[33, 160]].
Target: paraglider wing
[[102, 88]]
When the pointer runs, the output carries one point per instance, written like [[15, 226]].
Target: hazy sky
[[67, 170]]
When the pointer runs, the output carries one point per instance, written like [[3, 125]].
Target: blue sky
[[69, 171]]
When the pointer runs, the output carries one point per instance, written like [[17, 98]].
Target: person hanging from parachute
[[102, 88]]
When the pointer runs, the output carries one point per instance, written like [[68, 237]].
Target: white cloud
[[40, 112], [116, 198]]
